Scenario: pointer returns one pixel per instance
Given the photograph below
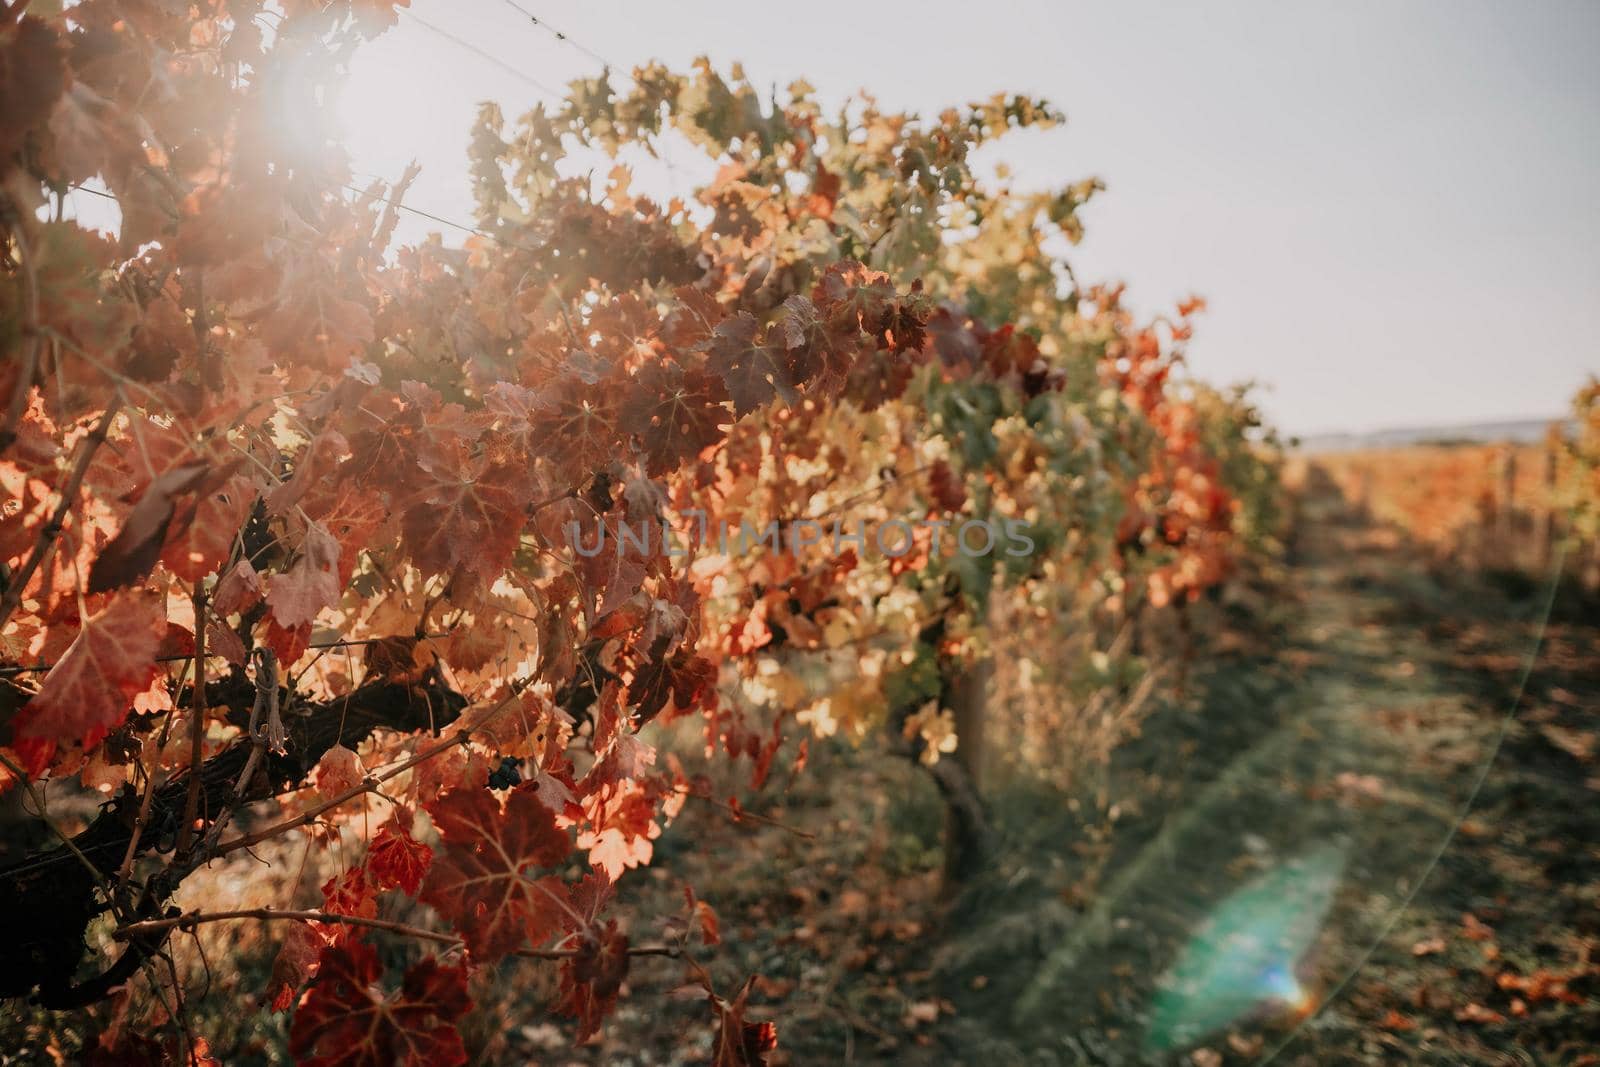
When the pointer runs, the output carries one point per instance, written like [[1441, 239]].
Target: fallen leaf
[[1477, 1013]]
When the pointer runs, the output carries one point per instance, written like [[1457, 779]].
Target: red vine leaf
[[683, 680], [396, 860], [740, 1043], [619, 754], [288, 643], [483, 880], [295, 963], [756, 369], [467, 514], [221, 641], [674, 412], [345, 1020], [350, 893], [87, 693], [206, 523], [703, 917], [579, 429], [622, 824], [591, 979], [238, 591]]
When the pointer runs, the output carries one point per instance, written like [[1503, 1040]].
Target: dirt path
[[1280, 887]]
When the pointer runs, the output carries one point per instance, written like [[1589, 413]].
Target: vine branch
[[192, 919], [197, 722], [28, 365], [52, 529], [369, 784]]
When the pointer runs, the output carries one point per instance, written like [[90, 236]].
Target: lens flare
[[1245, 958]]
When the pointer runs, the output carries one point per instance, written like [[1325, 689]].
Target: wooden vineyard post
[[1547, 529], [1506, 519], [1484, 533]]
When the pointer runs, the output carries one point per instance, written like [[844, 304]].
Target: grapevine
[[310, 534]]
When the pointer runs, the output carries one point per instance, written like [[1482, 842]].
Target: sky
[[1389, 206]]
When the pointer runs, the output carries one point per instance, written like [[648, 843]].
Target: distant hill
[[1517, 430]]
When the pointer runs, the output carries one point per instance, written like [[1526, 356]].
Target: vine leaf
[[740, 1043], [88, 692], [756, 369], [237, 591], [307, 587], [621, 823], [350, 893], [674, 412], [579, 426], [591, 979], [345, 1020], [396, 860], [32, 78], [482, 881], [132, 554], [295, 962], [619, 754], [338, 771], [468, 513], [683, 680]]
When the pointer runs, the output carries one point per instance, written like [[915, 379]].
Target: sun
[[402, 99]]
